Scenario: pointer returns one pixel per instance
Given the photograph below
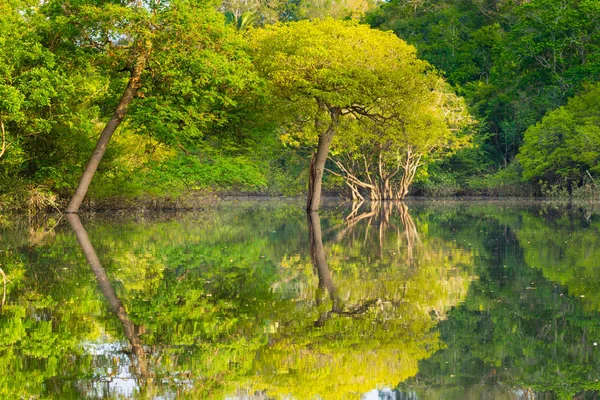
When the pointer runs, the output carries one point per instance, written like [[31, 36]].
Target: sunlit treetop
[[343, 64]]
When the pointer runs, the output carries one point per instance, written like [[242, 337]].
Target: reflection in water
[[317, 255], [375, 316], [381, 213], [319, 261], [459, 301], [130, 330], [520, 335]]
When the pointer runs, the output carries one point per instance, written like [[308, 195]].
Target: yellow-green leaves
[[394, 102], [340, 62]]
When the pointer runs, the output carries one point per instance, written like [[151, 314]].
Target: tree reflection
[[373, 313], [381, 213], [196, 313], [319, 261], [566, 248], [131, 331], [317, 255], [228, 300], [531, 322]]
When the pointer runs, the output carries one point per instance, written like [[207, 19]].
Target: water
[[257, 300]]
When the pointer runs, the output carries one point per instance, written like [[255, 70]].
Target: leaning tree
[[171, 66], [332, 70]]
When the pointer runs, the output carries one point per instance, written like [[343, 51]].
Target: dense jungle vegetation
[[378, 99]]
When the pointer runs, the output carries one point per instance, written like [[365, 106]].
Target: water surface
[[257, 300]]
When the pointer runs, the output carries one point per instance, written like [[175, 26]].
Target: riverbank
[[204, 199]]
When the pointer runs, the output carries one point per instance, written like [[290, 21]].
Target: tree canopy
[[201, 103], [514, 61], [333, 69], [563, 147]]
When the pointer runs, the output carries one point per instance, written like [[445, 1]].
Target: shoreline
[[205, 202]]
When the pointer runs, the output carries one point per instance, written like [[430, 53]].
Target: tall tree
[[333, 69], [177, 58]]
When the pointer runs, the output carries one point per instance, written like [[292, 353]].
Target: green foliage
[[562, 148], [63, 68], [514, 61], [205, 119], [341, 63], [194, 173], [394, 103], [46, 113], [438, 184], [506, 182]]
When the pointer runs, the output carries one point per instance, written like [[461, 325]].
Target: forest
[[167, 102]]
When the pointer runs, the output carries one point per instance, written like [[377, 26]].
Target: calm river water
[[257, 300]]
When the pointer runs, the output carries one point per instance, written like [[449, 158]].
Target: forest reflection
[[374, 310], [139, 365], [264, 301]]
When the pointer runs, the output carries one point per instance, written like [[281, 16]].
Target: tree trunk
[[128, 95], [351, 179], [317, 164], [410, 170], [410, 231], [317, 252], [356, 196]]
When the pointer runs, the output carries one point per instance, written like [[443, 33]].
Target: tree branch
[[4, 145]]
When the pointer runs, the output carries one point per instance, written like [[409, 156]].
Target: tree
[[563, 147], [45, 116], [382, 157], [512, 60], [177, 59], [332, 69]]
